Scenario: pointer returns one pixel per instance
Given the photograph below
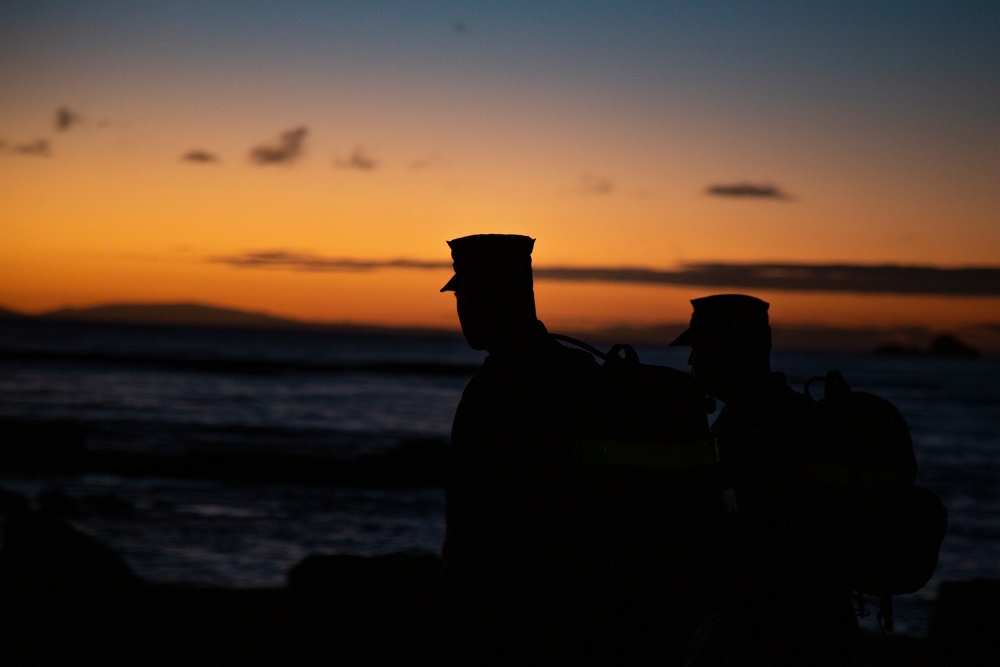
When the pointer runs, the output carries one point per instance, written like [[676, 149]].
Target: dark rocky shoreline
[[65, 597]]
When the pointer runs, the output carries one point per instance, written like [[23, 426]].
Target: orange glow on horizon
[[128, 220]]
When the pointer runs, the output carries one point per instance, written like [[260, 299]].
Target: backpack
[[647, 461], [864, 459], [651, 511]]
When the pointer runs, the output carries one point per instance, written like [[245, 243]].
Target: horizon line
[[792, 336]]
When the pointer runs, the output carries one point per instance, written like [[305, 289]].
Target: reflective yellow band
[[842, 475], [647, 454]]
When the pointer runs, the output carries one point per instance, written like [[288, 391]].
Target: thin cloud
[[598, 185], [359, 160], [433, 160], [38, 147], [200, 156], [65, 118], [303, 261], [747, 191], [852, 278], [287, 149]]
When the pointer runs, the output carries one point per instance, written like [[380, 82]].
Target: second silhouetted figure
[[789, 603]]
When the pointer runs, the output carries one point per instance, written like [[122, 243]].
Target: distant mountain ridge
[[194, 314], [7, 314], [200, 315]]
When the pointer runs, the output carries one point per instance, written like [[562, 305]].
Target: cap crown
[[491, 260], [724, 315]]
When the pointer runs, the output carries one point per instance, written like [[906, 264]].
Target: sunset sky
[[310, 159]]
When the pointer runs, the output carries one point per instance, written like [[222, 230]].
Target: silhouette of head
[[493, 289], [730, 341]]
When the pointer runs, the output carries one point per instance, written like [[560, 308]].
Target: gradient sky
[[310, 159]]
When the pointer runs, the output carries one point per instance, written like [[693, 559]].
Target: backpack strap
[[580, 344]]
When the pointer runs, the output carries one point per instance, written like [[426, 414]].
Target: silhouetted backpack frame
[[864, 461], [653, 513], [648, 463]]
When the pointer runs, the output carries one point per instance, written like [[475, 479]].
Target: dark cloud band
[[852, 278]]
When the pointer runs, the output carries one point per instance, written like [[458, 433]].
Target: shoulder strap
[[619, 352]]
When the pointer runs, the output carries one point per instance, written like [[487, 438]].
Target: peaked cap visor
[[686, 338]]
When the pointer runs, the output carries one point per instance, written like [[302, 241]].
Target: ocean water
[[163, 391]]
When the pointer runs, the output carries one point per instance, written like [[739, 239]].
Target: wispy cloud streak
[[287, 149], [200, 156], [746, 191], [39, 147], [359, 160], [300, 261], [597, 185], [853, 278], [66, 118]]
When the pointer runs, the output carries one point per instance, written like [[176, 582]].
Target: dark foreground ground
[[66, 599]]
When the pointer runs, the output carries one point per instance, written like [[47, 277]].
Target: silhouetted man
[[509, 574], [790, 603]]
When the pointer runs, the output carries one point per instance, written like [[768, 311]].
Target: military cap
[[498, 260], [726, 314]]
